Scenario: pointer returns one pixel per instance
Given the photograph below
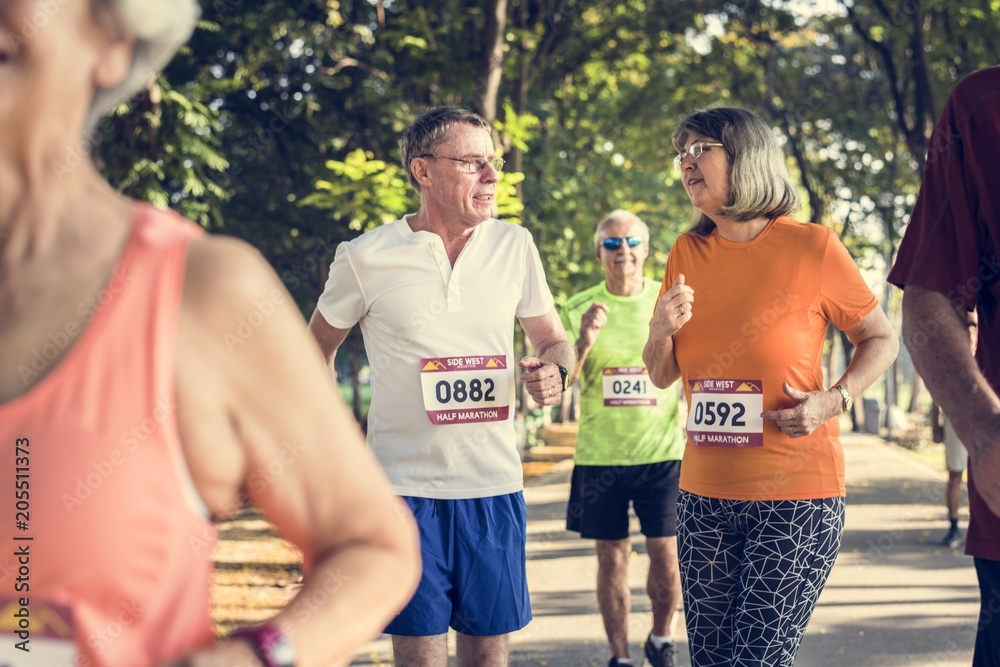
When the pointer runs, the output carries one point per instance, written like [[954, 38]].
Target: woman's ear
[[114, 63]]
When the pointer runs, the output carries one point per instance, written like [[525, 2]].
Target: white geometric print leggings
[[752, 572]]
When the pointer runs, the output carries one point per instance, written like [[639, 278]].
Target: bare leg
[[663, 583], [954, 493], [429, 651], [613, 595], [490, 651]]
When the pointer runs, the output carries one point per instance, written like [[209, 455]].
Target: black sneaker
[[952, 539], [614, 663], [660, 657]]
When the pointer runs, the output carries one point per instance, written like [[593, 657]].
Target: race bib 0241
[[726, 413], [627, 386], [465, 390]]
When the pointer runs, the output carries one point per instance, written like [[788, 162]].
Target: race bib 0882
[[463, 390], [726, 413]]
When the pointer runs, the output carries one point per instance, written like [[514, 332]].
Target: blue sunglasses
[[614, 243]]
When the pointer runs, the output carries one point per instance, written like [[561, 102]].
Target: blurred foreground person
[[150, 377]]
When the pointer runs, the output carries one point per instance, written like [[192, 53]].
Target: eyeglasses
[[614, 243], [694, 151], [474, 165]]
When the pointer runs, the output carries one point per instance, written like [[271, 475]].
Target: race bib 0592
[[726, 413]]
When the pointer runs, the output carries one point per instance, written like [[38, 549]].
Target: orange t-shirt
[[106, 556], [759, 319]]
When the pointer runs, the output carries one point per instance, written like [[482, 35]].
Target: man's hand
[[542, 379], [595, 319], [813, 409]]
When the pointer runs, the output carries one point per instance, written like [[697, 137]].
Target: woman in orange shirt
[[744, 307], [152, 376]]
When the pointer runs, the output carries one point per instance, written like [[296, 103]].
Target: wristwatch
[[270, 645], [848, 401], [565, 375]]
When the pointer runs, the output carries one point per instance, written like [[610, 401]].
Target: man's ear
[[421, 174]]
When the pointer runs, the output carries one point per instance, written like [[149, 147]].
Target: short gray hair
[[759, 184], [159, 27], [620, 215], [429, 129]]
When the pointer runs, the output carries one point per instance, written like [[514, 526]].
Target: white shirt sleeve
[[342, 303], [536, 299]]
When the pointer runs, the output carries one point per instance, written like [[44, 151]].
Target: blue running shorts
[[474, 577]]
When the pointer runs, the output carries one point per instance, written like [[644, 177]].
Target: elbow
[[659, 380], [405, 547], [893, 347]]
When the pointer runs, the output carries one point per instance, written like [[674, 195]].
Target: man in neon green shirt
[[630, 440]]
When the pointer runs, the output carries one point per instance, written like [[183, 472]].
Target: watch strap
[[848, 401], [565, 376]]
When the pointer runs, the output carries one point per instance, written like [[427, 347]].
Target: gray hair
[[759, 184], [620, 215], [429, 129], [159, 27]]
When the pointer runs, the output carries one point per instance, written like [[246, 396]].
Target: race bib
[[465, 390], [627, 386], [726, 413], [36, 633]]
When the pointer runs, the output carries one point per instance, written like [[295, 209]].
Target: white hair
[[160, 27], [620, 215]]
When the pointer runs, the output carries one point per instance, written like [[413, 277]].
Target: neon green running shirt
[[624, 419]]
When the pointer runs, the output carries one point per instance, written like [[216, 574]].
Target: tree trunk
[[491, 62]]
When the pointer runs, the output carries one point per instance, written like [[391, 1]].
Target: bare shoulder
[[224, 274]]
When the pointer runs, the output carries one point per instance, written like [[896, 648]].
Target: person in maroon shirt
[[949, 263]]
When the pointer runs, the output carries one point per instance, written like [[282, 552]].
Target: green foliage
[[363, 192], [279, 122]]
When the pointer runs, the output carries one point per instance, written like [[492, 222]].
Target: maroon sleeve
[[949, 243]]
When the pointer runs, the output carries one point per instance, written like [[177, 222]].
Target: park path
[[895, 597]]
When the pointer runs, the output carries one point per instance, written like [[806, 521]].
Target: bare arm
[[267, 401], [591, 323], [330, 338], [876, 347], [938, 340], [551, 344], [673, 310]]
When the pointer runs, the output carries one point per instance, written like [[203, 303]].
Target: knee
[[613, 557]]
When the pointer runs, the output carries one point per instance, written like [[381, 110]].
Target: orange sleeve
[[845, 298]]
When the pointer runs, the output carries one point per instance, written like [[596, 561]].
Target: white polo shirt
[[440, 341]]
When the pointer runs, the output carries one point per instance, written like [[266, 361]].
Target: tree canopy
[[279, 122]]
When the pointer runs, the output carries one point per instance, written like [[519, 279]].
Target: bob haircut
[[429, 129], [759, 184]]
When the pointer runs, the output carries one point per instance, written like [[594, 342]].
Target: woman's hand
[[673, 309], [237, 653], [814, 408]]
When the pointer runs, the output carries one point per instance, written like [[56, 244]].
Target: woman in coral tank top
[[741, 318], [151, 376]]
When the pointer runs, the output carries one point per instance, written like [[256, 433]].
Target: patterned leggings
[[752, 572]]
